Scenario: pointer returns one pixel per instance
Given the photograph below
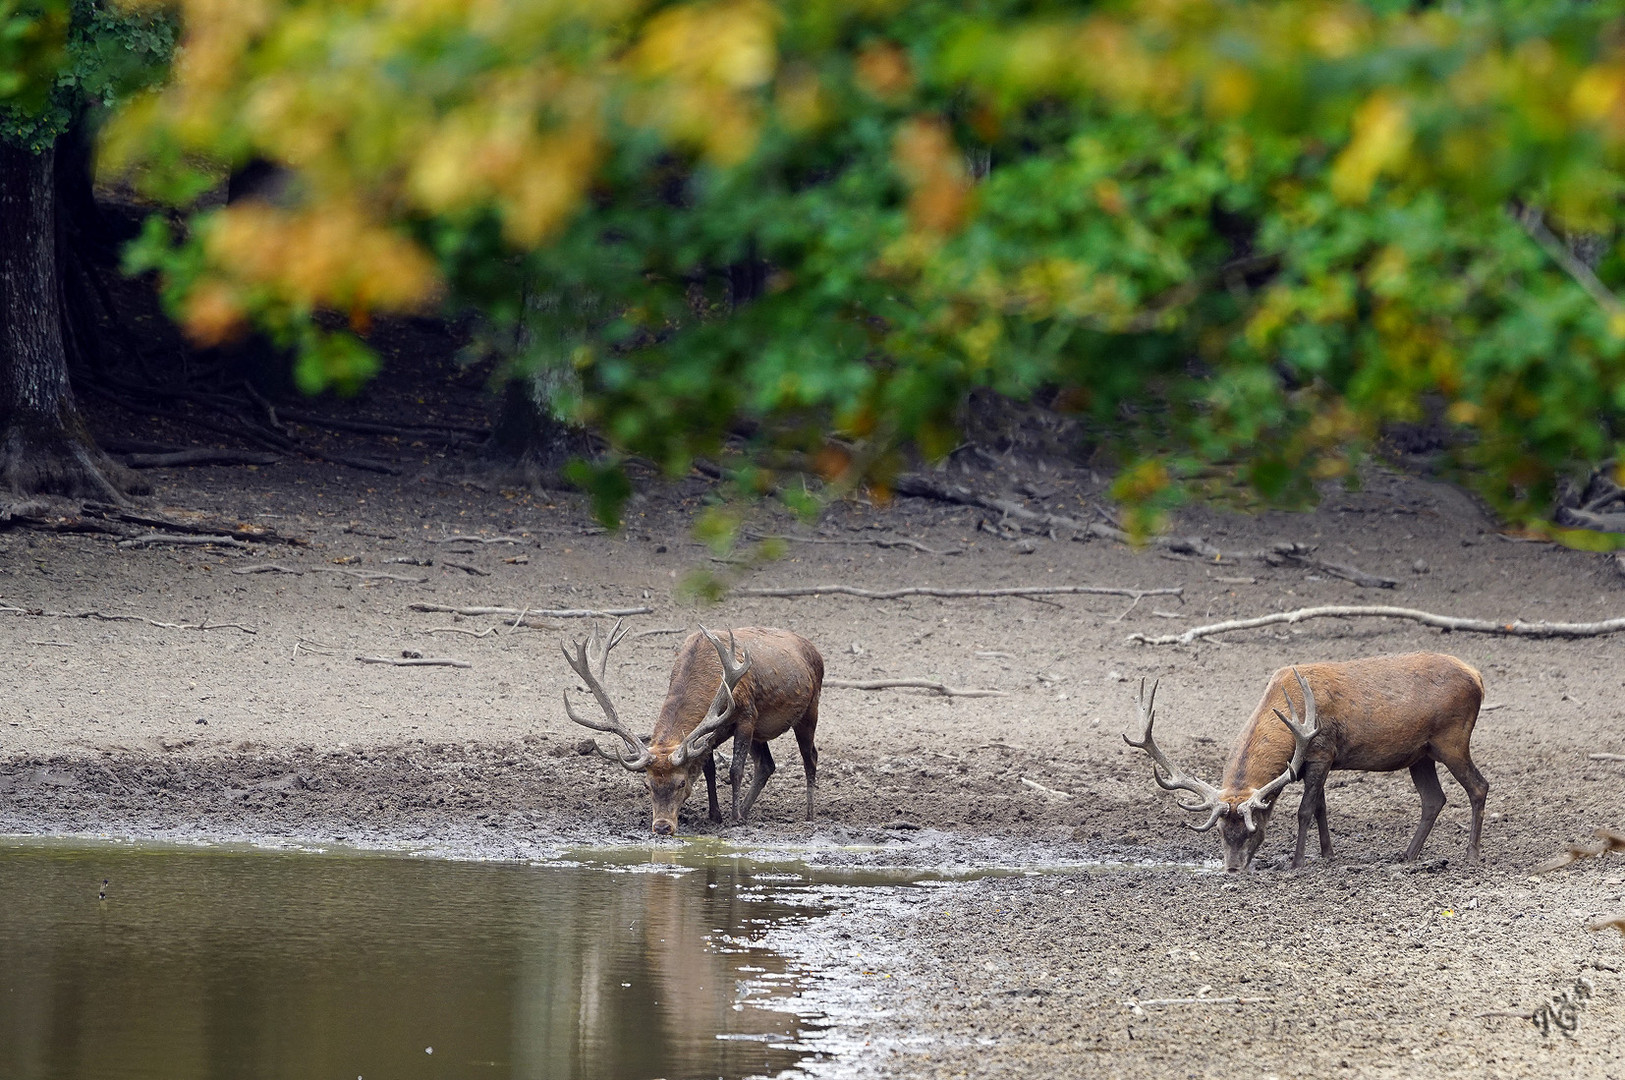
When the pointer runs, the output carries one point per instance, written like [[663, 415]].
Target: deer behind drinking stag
[[1374, 715], [759, 685]]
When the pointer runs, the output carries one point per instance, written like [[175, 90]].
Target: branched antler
[[1176, 780], [716, 719], [587, 656]]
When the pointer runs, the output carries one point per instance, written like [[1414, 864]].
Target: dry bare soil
[[268, 726]]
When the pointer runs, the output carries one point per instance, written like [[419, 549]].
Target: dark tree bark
[[529, 437], [44, 444]]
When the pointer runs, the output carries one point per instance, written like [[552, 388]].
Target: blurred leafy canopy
[[59, 56], [1237, 236]]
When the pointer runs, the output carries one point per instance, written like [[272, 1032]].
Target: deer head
[[667, 770], [1243, 816]]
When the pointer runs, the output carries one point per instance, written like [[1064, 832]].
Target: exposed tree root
[[1515, 628], [909, 684], [926, 590]]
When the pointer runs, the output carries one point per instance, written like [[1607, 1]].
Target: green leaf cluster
[[58, 57], [1238, 237]]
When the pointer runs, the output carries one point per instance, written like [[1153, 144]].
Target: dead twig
[[1139, 1005], [1036, 786], [465, 539], [104, 616], [1341, 570], [876, 541], [909, 684], [157, 539], [196, 526], [1606, 757], [661, 630], [267, 568], [1607, 840], [413, 660], [466, 568], [525, 613], [200, 456], [1515, 628], [368, 575], [926, 590], [487, 632]]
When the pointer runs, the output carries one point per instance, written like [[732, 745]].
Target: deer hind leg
[[1425, 775], [1460, 763], [764, 769], [1312, 807], [708, 763], [804, 729]]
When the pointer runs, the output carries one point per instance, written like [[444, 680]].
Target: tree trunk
[[529, 436], [44, 444]]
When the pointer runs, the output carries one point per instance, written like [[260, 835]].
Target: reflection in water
[[238, 964]]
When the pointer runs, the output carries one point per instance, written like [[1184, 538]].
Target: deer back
[[1376, 714], [785, 677]]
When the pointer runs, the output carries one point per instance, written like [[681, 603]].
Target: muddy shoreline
[[269, 728]]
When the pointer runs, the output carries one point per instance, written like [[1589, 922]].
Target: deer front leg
[[1311, 806], [736, 769], [708, 763]]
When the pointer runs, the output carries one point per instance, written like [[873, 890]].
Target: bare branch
[[526, 613], [204, 455], [909, 684], [1036, 786], [415, 661], [877, 541], [926, 590], [154, 539], [103, 616], [466, 539], [1514, 628]]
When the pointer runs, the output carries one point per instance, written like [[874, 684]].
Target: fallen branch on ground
[[198, 526], [1036, 786], [478, 540], [1606, 757], [1137, 1005], [908, 684], [877, 541], [415, 661], [924, 487], [466, 568], [1342, 570], [104, 616], [1607, 840], [1585, 519], [1516, 628], [157, 539], [487, 632], [200, 456], [525, 613], [365, 575], [926, 590]]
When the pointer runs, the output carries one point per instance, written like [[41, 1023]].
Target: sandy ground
[[1359, 967]]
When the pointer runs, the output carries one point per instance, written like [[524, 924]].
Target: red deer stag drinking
[[758, 686], [1374, 715]]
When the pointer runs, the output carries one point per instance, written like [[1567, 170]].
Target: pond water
[[254, 964]]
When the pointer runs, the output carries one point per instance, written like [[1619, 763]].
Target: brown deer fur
[[777, 691], [1375, 715]]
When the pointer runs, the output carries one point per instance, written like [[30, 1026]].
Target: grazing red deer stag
[[771, 686], [1375, 715]]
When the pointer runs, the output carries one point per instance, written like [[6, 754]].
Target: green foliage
[[1237, 236], [59, 56], [33, 38]]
